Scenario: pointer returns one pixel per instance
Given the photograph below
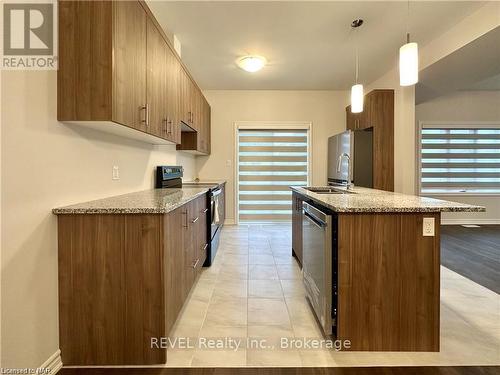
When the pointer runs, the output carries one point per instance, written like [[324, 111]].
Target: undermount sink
[[328, 190]]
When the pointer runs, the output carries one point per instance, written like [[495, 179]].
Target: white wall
[[46, 164], [471, 27], [465, 106], [325, 109]]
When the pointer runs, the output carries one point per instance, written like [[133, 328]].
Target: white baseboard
[[54, 363], [470, 221]]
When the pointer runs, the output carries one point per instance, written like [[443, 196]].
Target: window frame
[[268, 125], [454, 125]]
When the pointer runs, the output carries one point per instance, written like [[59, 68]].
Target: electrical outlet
[[116, 172], [428, 227], [229, 163]]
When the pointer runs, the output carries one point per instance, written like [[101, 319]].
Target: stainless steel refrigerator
[[358, 145]]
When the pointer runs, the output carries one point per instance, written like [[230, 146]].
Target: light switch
[[428, 227], [229, 162], [116, 172]]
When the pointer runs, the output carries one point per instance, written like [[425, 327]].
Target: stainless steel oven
[[215, 210], [216, 218], [318, 257]]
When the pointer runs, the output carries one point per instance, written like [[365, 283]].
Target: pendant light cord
[[357, 56], [354, 29], [408, 22]]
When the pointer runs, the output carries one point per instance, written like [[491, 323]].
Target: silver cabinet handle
[[205, 210], [195, 263], [205, 247], [146, 114], [165, 122], [169, 128], [194, 220]]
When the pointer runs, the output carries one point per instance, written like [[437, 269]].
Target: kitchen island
[[384, 266]]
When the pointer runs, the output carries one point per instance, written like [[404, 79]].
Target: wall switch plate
[[229, 163], [116, 172], [428, 227]]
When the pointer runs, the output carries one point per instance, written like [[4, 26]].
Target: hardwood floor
[[491, 370], [473, 253]]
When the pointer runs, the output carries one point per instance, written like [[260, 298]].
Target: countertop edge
[[122, 211], [202, 183], [308, 195]]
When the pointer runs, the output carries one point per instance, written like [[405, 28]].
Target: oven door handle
[[319, 223]]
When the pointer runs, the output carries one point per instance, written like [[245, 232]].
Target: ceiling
[[475, 66], [309, 45]]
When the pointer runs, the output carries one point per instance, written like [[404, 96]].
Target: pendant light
[[357, 94], [408, 59]]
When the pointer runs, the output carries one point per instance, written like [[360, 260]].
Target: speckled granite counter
[[372, 200], [154, 201]]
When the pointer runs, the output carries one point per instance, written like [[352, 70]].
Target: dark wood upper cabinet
[[157, 81], [197, 140], [378, 116], [173, 72], [119, 73], [129, 65], [186, 94]]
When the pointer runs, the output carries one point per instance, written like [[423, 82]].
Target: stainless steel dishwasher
[[317, 265]]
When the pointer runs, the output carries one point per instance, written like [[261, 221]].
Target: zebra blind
[[269, 161], [460, 160]]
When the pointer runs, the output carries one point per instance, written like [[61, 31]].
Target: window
[[459, 159], [269, 161]]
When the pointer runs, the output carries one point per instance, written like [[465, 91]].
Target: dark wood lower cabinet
[[123, 280], [388, 282]]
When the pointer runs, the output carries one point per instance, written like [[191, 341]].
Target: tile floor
[[253, 290]]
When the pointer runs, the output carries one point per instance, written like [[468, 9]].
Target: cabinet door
[[365, 118], [297, 227], [204, 128], [173, 96], [187, 249], [350, 119], [175, 266], [193, 251], [202, 231], [185, 97], [195, 105], [156, 81], [129, 60], [208, 128]]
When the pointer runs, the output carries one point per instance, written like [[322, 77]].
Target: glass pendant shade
[[357, 98], [408, 64]]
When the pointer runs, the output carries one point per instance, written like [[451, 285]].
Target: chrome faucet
[[339, 167]]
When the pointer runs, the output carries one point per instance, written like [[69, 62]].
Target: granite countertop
[[372, 200], [154, 201]]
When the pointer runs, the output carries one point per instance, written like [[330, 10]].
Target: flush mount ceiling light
[[357, 94], [251, 63], [408, 59]]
